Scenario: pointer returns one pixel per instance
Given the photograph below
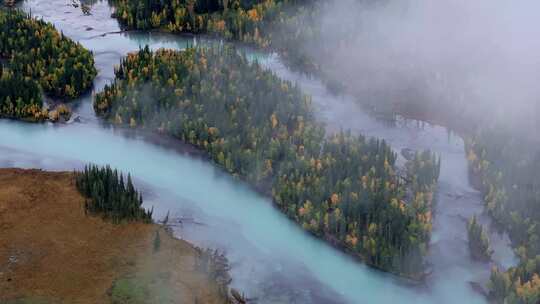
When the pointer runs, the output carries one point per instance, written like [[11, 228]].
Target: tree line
[[341, 187], [110, 195], [242, 20], [505, 166], [39, 58], [291, 27], [258, 22]]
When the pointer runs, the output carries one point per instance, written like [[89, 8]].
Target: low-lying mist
[[478, 60]]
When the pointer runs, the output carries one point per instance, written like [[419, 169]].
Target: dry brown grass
[[50, 249]]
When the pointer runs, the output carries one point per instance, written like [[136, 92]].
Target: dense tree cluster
[[341, 187], [478, 240], [34, 48], [291, 27], [518, 285], [350, 195], [107, 194], [243, 20], [505, 168], [215, 99], [20, 96]]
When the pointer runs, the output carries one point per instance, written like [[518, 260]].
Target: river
[[272, 259]]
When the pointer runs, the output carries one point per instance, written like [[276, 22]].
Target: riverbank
[[170, 142], [97, 261]]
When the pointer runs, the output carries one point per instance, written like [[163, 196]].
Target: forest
[[341, 187], [505, 168], [37, 54], [20, 97], [290, 27], [108, 195], [241, 20], [278, 25]]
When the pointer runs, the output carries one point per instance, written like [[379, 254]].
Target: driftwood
[[238, 297], [179, 221], [190, 220]]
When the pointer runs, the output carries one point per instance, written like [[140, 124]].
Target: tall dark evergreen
[[106, 194], [478, 240]]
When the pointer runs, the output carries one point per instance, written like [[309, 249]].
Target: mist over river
[[272, 258]]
